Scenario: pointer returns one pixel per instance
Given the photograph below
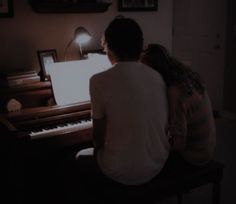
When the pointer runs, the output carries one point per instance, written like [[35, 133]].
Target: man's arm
[[99, 129], [98, 112]]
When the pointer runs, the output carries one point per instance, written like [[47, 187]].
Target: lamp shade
[[81, 35]]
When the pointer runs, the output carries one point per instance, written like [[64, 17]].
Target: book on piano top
[[17, 75], [19, 78]]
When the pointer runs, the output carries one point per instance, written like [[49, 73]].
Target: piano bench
[[168, 183]]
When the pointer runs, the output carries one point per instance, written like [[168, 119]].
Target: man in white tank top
[[129, 110]]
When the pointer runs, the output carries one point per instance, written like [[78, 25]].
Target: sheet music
[[70, 79]]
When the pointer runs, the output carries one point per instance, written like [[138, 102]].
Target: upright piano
[[62, 125], [36, 139], [50, 127], [41, 135]]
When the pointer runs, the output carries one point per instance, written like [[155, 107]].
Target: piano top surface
[[38, 116], [49, 110]]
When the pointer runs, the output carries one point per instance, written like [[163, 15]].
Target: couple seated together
[[147, 109]]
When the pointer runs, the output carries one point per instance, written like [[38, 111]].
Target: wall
[[199, 41], [230, 71], [27, 32]]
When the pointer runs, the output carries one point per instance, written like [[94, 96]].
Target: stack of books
[[18, 78]]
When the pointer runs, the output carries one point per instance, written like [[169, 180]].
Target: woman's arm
[[177, 118]]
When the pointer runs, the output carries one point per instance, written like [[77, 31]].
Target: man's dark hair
[[124, 37]]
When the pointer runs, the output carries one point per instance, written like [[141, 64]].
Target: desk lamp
[[81, 36]]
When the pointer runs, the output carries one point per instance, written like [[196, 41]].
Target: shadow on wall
[[16, 53]]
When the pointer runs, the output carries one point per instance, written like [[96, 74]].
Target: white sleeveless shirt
[[132, 98]]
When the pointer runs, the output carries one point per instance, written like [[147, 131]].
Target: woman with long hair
[[191, 122]]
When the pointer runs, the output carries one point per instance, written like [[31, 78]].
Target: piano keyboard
[[68, 127]]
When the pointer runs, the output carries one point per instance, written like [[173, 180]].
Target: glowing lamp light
[[81, 36], [82, 39]]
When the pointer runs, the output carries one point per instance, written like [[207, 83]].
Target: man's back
[[132, 98]]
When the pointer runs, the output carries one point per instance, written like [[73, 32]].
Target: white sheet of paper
[[70, 79]]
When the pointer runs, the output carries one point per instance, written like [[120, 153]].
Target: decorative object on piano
[[81, 36], [13, 105], [6, 8], [18, 78], [46, 57], [137, 5], [30, 95]]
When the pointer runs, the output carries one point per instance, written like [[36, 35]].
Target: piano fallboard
[[33, 117], [45, 118], [64, 140]]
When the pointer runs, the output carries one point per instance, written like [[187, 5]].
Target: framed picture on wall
[[6, 8], [137, 5], [46, 57]]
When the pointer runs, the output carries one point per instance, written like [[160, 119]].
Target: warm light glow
[[75, 73], [83, 38]]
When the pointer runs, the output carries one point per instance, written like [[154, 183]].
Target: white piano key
[[81, 125]]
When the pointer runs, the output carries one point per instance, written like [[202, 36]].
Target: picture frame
[[6, 8], [45, 58], [137, 5]]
